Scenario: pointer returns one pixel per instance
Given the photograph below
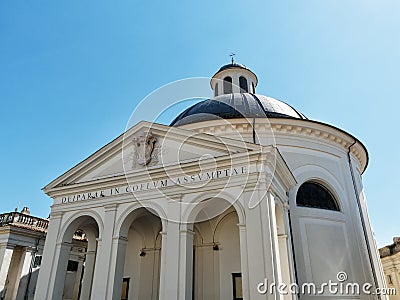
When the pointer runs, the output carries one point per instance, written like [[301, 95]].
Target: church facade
[[240, 195]]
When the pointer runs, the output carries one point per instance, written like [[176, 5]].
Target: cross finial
[[232, 55]]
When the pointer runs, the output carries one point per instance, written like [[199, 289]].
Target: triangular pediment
[[149, 146]]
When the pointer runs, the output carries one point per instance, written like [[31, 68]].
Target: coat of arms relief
[[144, 146]]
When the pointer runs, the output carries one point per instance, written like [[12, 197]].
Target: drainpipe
[[293, 253], [362, 217], [254, 130]]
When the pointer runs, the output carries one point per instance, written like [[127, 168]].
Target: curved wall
[[325, 242]]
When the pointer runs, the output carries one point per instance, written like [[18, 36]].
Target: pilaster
[[176, 276], [51, 261], [88, 275], [103, 280], [163, 271], [6, 252], [25, 265], [186, 263], [78, 278], [244, 264], [260, 244]]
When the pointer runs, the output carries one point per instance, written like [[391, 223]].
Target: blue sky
[[71, 72]]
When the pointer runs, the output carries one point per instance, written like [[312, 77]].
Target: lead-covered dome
[[231, 66], [236, 105]]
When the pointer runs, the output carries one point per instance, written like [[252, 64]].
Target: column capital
[[6, 245], [174, 198], [31, 249], [63, 244], [248, 186], [187, 231], [110, 207], [56, 214], [120, 238], [286, 206]]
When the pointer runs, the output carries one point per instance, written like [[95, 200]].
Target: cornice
[[159, 173], [323, 133], [22, 231], [173, 193], [290, 127]]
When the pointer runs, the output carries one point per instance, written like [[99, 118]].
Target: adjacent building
[[21, 245], [390, 256], [22, 239]]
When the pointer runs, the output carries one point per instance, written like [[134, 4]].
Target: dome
[[236, 105], [232, 65]]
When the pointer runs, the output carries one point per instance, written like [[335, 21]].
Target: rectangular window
[[125, 289], [38, 261], [72, 266], [237, 286]]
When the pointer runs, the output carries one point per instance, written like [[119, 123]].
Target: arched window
[[216, 90], [227, 85], [315, 195], [254, 88], [243, 84]]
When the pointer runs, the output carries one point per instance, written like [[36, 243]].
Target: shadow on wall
[[24, 292]]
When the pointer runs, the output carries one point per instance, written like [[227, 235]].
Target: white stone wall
[[325, 242], [259, 245]]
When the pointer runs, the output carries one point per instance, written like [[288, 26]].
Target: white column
[[78, 277], [169, 273], [45, 282], [88, 275], [284, 262], [244, 266], [176, 257], [260, 250], [25, 269], [170, 257], [177, 264], [6, 253], [163, 271], [276, 255], [14, 273], [101, 278], [216, 273], [58, 271], [186, 264], [156, 274], [235, 83], [56, 287], [117, 263]]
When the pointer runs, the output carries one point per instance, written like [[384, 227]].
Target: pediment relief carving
[[144, 146]]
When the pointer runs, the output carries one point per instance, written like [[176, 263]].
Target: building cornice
[[157, 173], [290, 127]]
